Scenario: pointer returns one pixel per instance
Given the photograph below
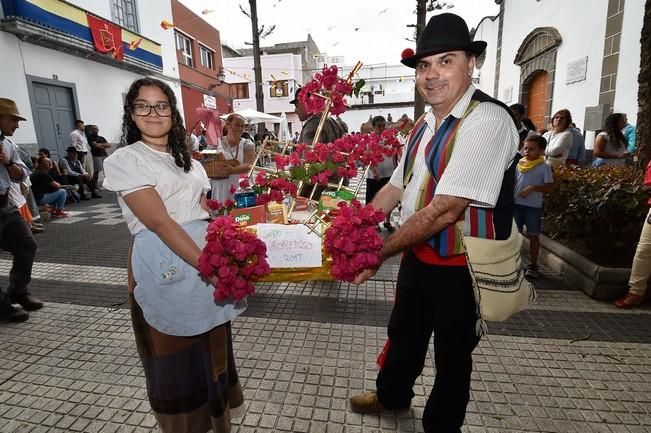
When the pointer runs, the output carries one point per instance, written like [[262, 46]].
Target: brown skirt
[[192, 382]]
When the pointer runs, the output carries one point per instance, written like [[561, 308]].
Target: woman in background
[[236, 149], [610, 144], [559, 139]]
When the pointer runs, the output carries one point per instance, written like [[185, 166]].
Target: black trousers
[[431, 299], [16, 238]]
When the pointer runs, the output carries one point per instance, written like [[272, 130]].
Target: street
[[569, 364]]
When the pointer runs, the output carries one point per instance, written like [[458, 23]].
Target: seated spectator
[[55, 172], [46, 190], [559, 139], [610, 145], [76, 175]]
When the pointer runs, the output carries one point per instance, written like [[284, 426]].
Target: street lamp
[[221, 76]]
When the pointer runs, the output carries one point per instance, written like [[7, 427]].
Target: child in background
[[534, 178]]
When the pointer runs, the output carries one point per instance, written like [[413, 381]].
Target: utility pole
[[257, 68], [421, 13]]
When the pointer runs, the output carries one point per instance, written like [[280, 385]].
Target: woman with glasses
[[239, 151], [559, 139], [183, 335]]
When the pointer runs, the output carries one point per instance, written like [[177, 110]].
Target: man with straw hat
[[458, 165], [15, 235]]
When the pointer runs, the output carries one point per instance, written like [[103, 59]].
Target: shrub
[[603, 208]]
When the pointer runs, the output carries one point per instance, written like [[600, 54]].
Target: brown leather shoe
[[366, 403], [629, 301], [28, 302], [369, 402]]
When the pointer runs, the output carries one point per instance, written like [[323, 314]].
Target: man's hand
[[366, 274]]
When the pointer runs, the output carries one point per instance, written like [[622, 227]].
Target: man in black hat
[[459, 165], [15, 235]]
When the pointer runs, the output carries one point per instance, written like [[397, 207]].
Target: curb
[[598, 282]]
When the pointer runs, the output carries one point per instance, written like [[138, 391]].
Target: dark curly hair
[[615, 135], [176, 136]]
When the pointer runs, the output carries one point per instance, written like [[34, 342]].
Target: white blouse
[[137, 166]]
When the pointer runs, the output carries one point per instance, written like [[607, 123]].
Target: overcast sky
[[373, 31]]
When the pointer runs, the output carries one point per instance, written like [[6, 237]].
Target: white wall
[[355, 118], [397, 82], [99, 87], [629, 61], [13, 85], [582, 27], [487, 31], [282, 67]]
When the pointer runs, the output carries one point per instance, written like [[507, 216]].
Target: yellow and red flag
[[166, 25]]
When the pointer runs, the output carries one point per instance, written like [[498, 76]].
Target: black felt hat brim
[[475, 47]]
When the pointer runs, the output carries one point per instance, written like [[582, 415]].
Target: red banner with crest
[[107, 37]]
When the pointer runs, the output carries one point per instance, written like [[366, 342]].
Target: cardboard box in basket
[[248, 216]]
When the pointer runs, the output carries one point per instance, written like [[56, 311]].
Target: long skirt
[[192, 382]]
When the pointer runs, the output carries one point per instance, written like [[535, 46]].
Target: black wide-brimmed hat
[[444, 32]]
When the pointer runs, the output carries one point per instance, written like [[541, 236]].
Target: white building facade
[[388, 91], [53, 70], [582, 55], [281, 74]]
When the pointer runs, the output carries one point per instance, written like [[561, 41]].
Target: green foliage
[[358, 86], [602, 208]]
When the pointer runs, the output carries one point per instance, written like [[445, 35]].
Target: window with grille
[[240, 91], [207, 57], [125, 13], [184, 45]]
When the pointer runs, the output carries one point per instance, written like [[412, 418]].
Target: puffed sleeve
[[126, 172], [205, 181]]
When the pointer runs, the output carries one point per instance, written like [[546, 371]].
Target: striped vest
[[487, 223]]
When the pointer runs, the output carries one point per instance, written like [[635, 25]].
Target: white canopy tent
[[253, 116]]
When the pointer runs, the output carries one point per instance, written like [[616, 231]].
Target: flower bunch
[[341, 157], [273, 187], [235, 257], [325, 84], [352, 241], [218, 208]]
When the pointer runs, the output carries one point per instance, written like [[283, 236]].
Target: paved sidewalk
[[569, 364]]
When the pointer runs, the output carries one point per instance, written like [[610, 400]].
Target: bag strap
[[481, 328]]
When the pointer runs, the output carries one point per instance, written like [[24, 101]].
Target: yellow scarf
[[525, 165]]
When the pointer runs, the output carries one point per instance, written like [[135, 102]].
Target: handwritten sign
[[290, 246]]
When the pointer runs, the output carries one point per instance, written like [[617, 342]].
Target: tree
[[422, 7], [644, 91], [258, 33]]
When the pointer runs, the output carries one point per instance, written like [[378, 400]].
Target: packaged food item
[[301, 204], [248, 216], [276, 213], [330, 199]]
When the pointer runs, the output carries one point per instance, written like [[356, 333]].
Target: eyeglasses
[[162, 109]]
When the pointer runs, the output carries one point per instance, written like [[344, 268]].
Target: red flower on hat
[[406, 53]]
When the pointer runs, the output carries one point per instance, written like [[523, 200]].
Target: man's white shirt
[[485, 146]]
